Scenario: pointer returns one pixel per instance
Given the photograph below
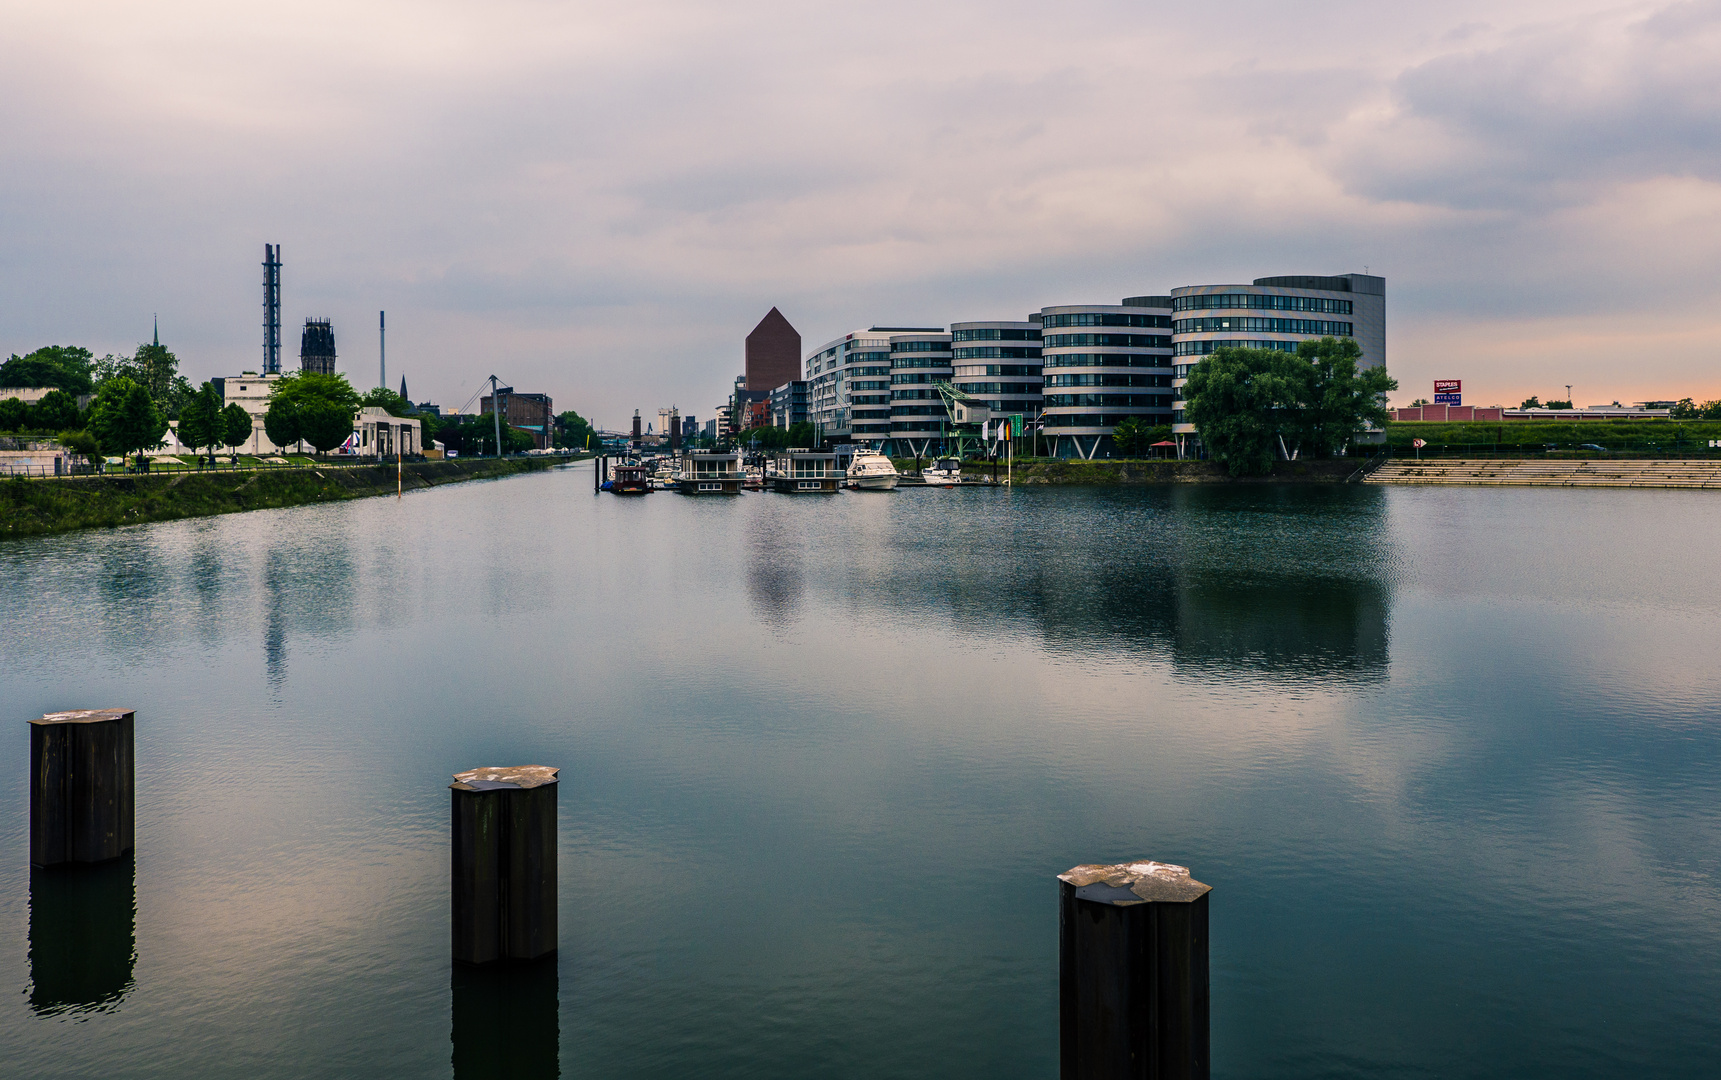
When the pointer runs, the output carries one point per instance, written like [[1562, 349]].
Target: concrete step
[[1496, 472]]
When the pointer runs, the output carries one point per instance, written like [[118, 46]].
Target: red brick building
[[773, 353]]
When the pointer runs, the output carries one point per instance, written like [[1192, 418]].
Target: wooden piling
[[81, 787], [504, 863], [1133, 993]]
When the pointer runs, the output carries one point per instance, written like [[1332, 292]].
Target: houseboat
[[630, 480], [803, 472], [710, 473]]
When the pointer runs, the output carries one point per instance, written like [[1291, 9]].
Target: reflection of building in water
[[305, 591], [505, 1020], [1316, 626], [773, 573], [82, 936]]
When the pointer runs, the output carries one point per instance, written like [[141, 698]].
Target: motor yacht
[[871, 471], [945, 472]]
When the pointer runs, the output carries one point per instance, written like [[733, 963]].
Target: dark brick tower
[[317, 347], [773, 353]]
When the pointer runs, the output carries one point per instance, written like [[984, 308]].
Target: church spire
[[158, 331], [403, 389]]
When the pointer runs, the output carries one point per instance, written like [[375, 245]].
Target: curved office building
[[998, 363], [1274, 313], [918, 362], [1103, 364], [848, 387]]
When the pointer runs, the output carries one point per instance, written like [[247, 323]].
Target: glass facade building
[[1272, 313], [998, 363], [1100, 366], [919, 361]]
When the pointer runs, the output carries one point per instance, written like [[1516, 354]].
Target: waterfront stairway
[[1587, 472]]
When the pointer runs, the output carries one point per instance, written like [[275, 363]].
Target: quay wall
[[41, 506], [1333, 471]]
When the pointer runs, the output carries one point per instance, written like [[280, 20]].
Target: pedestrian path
[[1558, 473]]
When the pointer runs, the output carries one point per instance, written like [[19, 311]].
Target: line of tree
[[1687, 409], [575, 432], [1254, 406], [1134, 438], [776, 438]]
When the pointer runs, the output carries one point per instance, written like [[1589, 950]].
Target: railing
[[1375, 461], [158, 466]]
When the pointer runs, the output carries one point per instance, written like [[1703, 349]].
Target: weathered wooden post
[[80, 786], [1132, 958], [504, 863]]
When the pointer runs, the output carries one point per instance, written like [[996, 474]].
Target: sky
[[599, 201]]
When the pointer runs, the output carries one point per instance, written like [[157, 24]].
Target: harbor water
[[1449, 758]]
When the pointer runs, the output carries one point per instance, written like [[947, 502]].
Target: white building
[[1102, 365], [848, 385]]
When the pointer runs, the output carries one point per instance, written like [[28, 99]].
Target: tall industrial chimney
[[636, 427], [382, 350], [271, 309]]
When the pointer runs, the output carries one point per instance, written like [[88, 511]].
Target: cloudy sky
[[600, 200]]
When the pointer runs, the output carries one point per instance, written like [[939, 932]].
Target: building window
[[1116, 341], [1260, 302], [1105, 318]]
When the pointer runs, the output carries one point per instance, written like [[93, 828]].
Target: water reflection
[[506, 1021], [83, 938], [774, 573], [1285, 584], [305, 591]]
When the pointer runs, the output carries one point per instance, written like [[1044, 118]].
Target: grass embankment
[[1061, 471], [36, 507], [1533, 436]]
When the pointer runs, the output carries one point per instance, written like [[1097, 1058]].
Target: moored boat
[[870, 470], [630, 480], [710, 473], [802, 472], [945, 472]]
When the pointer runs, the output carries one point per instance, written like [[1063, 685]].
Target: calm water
[[1451, 761]]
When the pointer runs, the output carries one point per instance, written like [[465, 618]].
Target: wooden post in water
[[504, 863], [81, 786], [1132, 959]]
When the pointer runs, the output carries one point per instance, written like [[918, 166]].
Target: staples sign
[[1449, 391]]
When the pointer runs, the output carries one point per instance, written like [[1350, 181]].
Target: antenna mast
[[382, 349]]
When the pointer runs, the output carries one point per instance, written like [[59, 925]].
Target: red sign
[[1418, 443], [1448, 386]]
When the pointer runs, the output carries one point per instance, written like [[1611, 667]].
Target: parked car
[[1590, 446]]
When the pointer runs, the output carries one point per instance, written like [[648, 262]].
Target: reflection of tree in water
[[306, 591], [774, 577], [1269, 578], [83, 936]]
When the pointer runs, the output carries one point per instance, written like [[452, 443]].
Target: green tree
[[236, 426], [200, 421], [1559, 405], [14, 415], [1712, 410], [124, 417], [575, 431], [1418, 402], [384, 398], [1684, 409], [56, 411], [801, 434], [1531, 402], [83, 444], [1337, 402], [1238, 400], [63, 367], [1133, 437], [314, 407]]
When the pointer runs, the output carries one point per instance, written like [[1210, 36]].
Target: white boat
[[871, 471], [945, 472]]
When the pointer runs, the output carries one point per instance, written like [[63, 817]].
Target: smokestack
[[382, 349], [636, 427], [271, 309], [674, 429]]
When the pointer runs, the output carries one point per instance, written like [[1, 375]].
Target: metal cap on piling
[[503, 897], [1133, 987]]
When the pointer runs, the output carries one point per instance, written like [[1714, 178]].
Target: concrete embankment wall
[[1169, 472], [35, 507]]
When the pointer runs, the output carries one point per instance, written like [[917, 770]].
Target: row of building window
[[996, 334], [999, 388], [1091, 420], [915, 410], [1262, 326], [871, 399], [914, 395], [1108, 401], [1107, 360], [869, 384], [1207, 345], [917, 377], [997, 352], [1105, 318], [921, 362], [1261, 302], [962, 371], [1086, 378], [919, 346], [1116, 341]]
